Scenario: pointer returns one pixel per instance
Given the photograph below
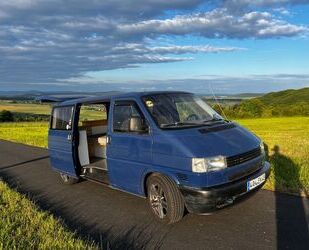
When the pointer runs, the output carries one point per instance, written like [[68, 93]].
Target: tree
[[6, 116]]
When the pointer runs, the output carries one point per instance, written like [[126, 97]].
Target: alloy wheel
[[158, 200]]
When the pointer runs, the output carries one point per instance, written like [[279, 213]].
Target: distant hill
[[289, 102], [286, 97], [247, 95]]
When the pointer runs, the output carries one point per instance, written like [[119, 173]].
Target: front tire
[[68, 180], [164, 199]]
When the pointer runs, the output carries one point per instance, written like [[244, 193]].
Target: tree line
[[255, 108], [8, 116]]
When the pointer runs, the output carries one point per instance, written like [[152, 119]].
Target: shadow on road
[[291, 220], [2, 168]]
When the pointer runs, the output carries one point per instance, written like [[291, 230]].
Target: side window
[[62, 118], [93, 115], [127, 118]]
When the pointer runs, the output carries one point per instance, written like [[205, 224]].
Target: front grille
[[238, 159]]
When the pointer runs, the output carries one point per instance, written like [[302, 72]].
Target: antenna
[[214, 96]]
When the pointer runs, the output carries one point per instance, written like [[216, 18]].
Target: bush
[[28, 117], [6, 116], [254, 108]]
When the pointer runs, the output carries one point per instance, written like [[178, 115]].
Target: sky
[[222, 46]]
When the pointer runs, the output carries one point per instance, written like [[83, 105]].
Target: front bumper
[[207, 200]]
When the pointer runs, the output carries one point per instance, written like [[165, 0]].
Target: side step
[[95, 173]]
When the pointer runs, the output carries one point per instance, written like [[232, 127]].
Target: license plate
[[255, 182]]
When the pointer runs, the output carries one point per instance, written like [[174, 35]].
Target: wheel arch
[[155, 172]]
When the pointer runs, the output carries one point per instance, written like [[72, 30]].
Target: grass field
[[25, 107], [288, 136], [287, 140], [23, 226], [45, 109], [31, 133]]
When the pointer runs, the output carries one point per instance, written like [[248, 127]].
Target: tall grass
[[23, 226]]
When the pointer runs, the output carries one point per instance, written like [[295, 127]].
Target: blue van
[[169, 147]]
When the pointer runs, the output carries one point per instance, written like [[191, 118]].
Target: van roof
[[107, 97]]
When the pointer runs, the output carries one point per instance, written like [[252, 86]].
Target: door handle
[[69, 137], [108, 139]]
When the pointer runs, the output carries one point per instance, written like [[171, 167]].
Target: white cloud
[[133, 10], [140, 49], [217, 23], [42, 41], [283, 11]]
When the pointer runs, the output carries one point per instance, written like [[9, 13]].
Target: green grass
[[288, 144], [23, 226], [290, 165], [31, 133]]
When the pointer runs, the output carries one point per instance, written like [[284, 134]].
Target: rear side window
[[93, 114], [62, 118]]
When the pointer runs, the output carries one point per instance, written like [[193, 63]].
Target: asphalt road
[[267, 220]]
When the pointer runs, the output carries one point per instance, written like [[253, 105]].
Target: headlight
[[262, 148], [203, 165]]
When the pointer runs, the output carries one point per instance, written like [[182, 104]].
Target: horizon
[[17, 93], [199, 46]]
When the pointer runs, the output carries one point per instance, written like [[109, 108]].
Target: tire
[[164, 199], [68, 180]]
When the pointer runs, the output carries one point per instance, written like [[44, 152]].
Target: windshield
[[180, 110]]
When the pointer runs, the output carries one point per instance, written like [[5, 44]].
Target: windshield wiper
[[176, 124], [214, 120]]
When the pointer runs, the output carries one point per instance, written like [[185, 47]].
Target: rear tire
[[68, 180], [164, 199]]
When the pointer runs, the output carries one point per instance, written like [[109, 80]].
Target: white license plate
[[255, 182]]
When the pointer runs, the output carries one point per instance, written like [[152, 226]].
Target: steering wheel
[[192, 117]]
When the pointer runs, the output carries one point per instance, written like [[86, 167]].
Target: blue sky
[[229, 46]]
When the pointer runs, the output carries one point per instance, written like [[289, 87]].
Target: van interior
[[92, 129]]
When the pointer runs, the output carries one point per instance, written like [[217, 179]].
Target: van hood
[[230, 141]]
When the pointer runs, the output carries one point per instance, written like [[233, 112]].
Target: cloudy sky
[[228, 46]]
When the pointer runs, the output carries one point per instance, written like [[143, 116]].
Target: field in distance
[[286, 139], [43, 109], [34, 108]]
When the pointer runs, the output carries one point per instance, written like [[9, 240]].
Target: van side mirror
[[137, 125]]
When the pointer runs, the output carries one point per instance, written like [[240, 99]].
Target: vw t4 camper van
[[168, 147]]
